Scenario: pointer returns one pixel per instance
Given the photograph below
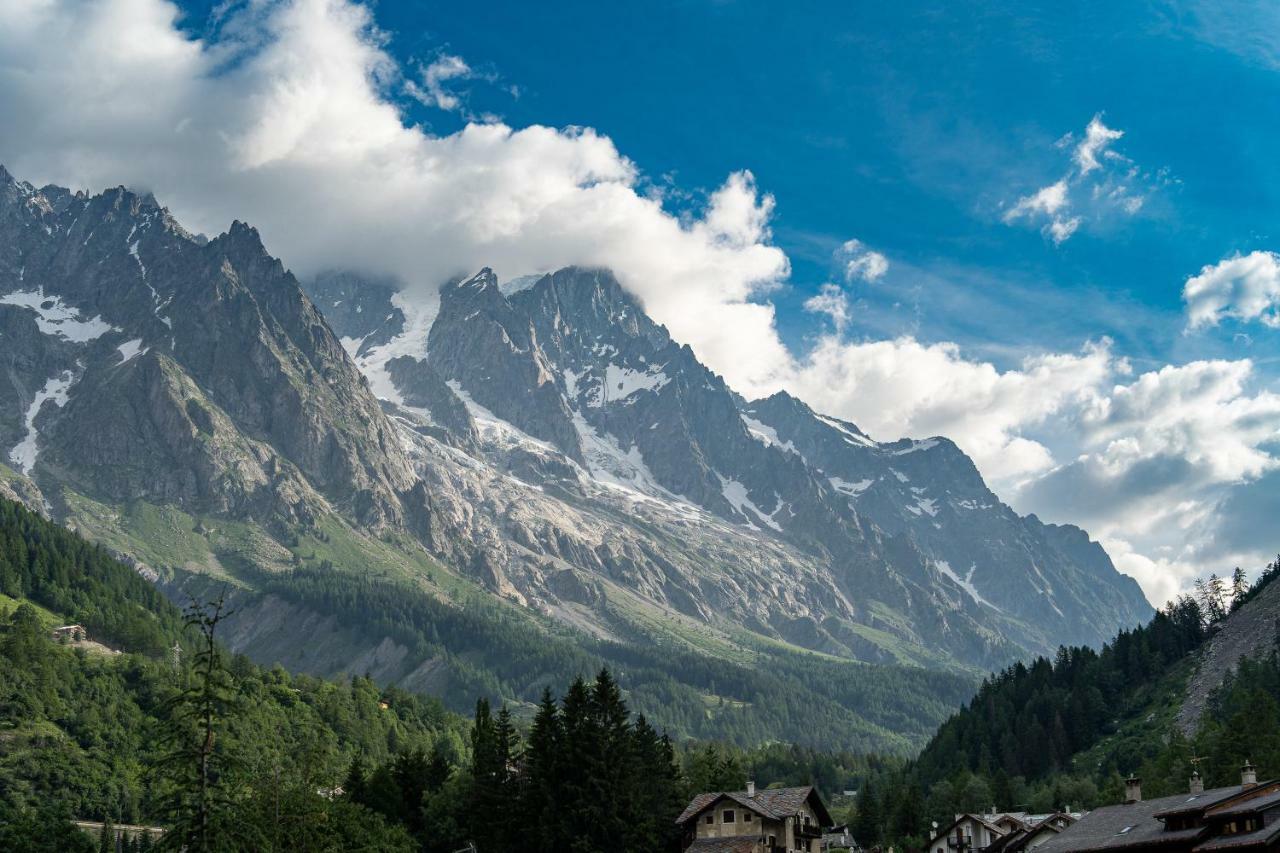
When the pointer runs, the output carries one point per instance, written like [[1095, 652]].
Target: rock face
[[1251, 631], [579, 394], [168, 368], [543, 438]]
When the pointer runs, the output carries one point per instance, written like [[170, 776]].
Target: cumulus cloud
[[1055, 206], [432, 91], [1242, 287], [859, 262], [832, 301]]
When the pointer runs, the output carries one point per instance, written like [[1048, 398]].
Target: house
[[965, 834], [1034, 831], [1000, 832], [70, 633], [772, 820], [1244, 817], [838, 838]]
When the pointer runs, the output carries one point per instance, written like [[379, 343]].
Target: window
[[747, 817], [728, 816], [711, 818]]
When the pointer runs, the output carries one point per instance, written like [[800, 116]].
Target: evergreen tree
[[1239, 588], [542, 777], [197, 760]]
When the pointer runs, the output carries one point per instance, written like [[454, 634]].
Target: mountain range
[[536, 450]]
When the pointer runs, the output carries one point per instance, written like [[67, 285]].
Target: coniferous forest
[[227, 755]]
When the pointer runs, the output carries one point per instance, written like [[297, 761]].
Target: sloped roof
[[995, 830], [773, 803], [1183, 804], [1261, 838], [1235, 807], [1135, 825]]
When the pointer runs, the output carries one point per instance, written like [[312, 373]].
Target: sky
[[1047, 231]]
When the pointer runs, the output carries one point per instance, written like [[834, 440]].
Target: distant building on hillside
[[70, 633], [772, 820], [1242, 817], [1005, 832]]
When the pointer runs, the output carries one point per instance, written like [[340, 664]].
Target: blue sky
[[1047, 231], [910, 125]]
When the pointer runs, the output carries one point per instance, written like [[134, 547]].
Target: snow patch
[[55, 317], [621, 382], [850, 436], [966, 583], [736, 494], [493, 429], [844, 487], [130, 350], [768, 436], [24, 454], [419, 315]]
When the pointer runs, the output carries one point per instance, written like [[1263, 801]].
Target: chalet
[[70, 633], [772, 820], [1242, 817], [999, 832], [838, 838]]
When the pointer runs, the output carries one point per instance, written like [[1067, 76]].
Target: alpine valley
[[498, 490]]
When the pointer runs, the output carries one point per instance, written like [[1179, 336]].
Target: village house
[[1000, 832], [70, 633], [771, 820], [1242, 817]]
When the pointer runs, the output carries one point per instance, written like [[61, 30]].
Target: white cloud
[[859, 262], [1054, 207], [432, 91], [1242, 287], [1097, 138], [832, 301]]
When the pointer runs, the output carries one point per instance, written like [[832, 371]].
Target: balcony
[[808, 830]]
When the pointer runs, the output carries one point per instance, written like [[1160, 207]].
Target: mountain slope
[[572, 363], [538, 455]]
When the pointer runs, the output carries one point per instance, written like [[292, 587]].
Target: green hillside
[[1049, 734]]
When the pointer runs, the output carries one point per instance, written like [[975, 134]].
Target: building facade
[[772, 820]]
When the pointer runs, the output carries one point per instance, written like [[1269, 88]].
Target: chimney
[[1197, 784], [1248, 775], [1133, 790], [751, 789]]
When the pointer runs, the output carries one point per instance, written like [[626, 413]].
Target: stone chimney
[[1248, 775], [1133, 790], [751, 789], [1197, 784]]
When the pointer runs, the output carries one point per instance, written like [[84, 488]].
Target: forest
[[1065, 732], [491, 651], [228, 755]]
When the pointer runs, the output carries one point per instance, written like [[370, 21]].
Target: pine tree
[[196, 759], [1239, 587], [541, 776]]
